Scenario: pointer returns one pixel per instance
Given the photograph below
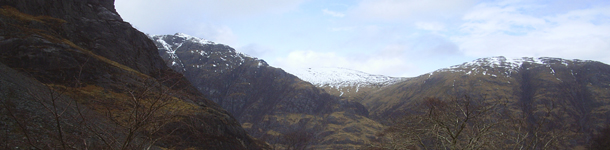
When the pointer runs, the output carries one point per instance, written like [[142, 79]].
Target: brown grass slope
[[574, 93]]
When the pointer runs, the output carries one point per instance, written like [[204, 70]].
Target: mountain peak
[[341, 80], [501, 61], [217, 57], [192, 38], [501, 65], [177, 39], [341, 77]]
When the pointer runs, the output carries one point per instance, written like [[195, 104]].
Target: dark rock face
[[70, 45], [96, 26], [261, 97]]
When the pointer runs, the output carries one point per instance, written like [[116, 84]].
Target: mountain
[[274, 105], [345, 82], [567, 96], [489, 74], [543, 92], [76, 76], [270, 103]]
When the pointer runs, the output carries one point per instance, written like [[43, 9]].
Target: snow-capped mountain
[[501, 66], [218, 58], [562, 90], [342, 77], [253, 91], [266, 99], [343, 80]]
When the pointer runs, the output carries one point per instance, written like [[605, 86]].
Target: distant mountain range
[[270, 103], [339, 80], [346, 108], [507, 78], [571, 97], [344, 82], [74, 75]]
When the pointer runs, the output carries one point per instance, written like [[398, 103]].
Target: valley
[[337, 104], [75, 75]]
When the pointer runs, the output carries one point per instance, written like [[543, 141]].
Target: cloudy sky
[[389, 37]]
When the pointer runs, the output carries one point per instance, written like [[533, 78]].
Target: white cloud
[[168, 17], [333, 13], [336, 29], [224, 8], [485, 19], [256, 50], [396, 10], [390, 37], [432, 26], [492, 30], [434, 45], [393, 66], [218, 34]]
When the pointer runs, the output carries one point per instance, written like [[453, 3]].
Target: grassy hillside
[[568, 95]]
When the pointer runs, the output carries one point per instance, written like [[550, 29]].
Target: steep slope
[[76, 76], [573, 92], [270, 103], [345, 82]]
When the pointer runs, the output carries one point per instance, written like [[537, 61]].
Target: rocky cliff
[[76, 76]]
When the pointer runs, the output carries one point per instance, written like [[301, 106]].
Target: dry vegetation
[[473, 123], [91, 117]]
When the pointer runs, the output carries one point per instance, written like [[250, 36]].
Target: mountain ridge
[[345, 83], [340, 77], [269, 102], [76, 76], [558, 95], [509, 64]]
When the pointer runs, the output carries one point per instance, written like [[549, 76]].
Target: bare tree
[[474, 123], [89, 117], [457, 123], [601, 141], [542, 130], [140, 114], [297, 140]]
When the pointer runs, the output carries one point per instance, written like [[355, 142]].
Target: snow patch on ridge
[[342, 77], [220, 61], [496, 66]]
